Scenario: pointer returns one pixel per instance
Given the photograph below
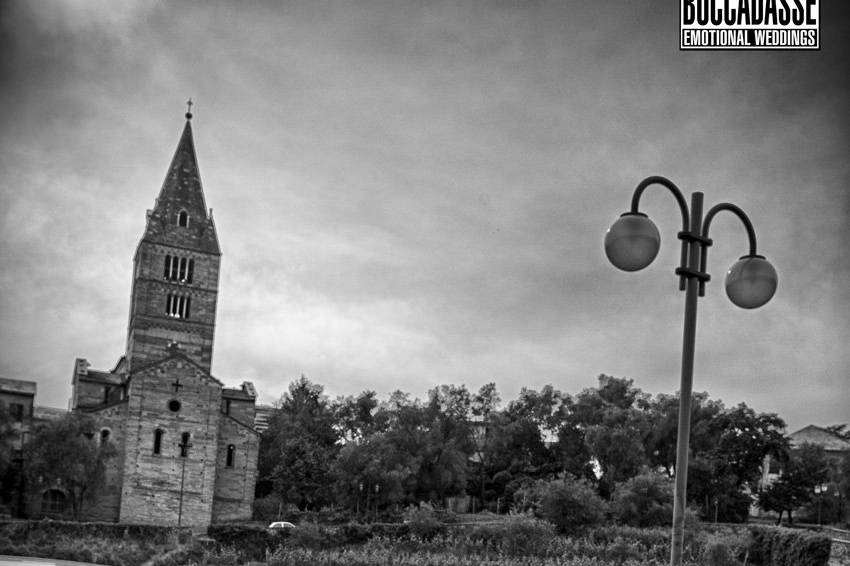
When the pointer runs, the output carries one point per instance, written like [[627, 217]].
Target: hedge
[[776, 546], [156, 534]]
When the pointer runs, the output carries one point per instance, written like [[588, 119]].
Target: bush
[[310, 535], [423, 522], [519, 535], [718, 553], [155, 534], [572, 505], [250, 541], [774, 546], [644, 501]]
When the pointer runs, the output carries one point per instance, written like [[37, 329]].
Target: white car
[[281, 525]]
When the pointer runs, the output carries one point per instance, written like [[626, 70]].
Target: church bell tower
[[176, 269]]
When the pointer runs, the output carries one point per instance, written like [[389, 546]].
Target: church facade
[[186, 448]]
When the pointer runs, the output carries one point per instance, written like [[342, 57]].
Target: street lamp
[[632, 243], [820, 491]]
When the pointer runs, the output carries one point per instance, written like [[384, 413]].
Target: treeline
[[358, 452]]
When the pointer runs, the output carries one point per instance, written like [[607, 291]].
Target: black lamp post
[[820, 491], [632, 243], [184, 453]]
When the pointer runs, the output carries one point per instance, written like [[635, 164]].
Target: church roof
[[174, 353], [182, 192]]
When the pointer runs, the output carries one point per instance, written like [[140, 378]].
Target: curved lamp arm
[[751, 234], [683, 207], [665, 182]]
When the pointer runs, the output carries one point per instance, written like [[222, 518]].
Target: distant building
[[833, 445], [17, 400], [186, 444], [261, 417], [835, 448]]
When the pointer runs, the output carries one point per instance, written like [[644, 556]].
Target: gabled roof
[[174, 354], [816, 435]]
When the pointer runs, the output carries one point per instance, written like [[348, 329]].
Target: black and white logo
[[749, 24]]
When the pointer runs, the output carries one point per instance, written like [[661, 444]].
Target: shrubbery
[[572, 505], [19, 530], [644, 501], [774, 546]]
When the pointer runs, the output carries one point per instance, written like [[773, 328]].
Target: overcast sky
[[410, 194]]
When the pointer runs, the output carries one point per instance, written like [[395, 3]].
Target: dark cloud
[[410, 194]]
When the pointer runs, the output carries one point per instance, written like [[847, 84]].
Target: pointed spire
[[181, 203]]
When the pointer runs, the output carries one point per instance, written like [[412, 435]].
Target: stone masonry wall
[[151, 328], [234, 488], [106, 498], [166, 488]]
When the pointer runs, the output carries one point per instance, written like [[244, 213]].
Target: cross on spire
[[189, 109]]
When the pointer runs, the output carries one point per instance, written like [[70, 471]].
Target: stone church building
[[186, 444]]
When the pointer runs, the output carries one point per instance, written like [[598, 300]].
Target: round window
[[174, 405]]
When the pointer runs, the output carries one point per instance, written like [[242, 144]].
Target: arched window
[[157, 441], [177, 306], [53, 502], [183, 219], [178, 269], [231, 452], [104, 435]]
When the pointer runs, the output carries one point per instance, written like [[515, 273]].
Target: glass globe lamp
[[632, 242], [751, 282]]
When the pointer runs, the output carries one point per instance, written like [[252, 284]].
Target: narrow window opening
[[231, 451], [157, 441], [106, 394], [182, 275], [227, 406], [183, 219], [191, 270], [167, 271], [177, 306], [104, 435], [184, 445], [16, 411]]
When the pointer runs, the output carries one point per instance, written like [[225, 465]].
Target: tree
[[663, 413], [299, 447], [67, 454], [614, 422], [571, 505], [806, 467], [355, 418], [645, 500]]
